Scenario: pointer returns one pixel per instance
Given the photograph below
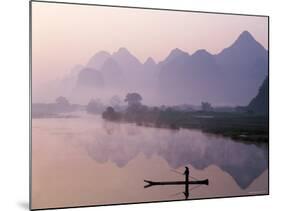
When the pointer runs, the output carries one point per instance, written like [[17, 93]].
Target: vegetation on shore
[[57, 109], [237, 125]]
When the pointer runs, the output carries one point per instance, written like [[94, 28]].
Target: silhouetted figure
[[187, 182], [186, 173]]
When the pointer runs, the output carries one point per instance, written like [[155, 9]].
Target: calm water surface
[[89, 161]]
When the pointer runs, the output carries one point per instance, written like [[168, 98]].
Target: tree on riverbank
[[111, 114], [133, 99], [206, 106], [62, 101]]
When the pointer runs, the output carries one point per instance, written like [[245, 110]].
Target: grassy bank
[[236, 125]]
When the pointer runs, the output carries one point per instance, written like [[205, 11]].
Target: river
[[85, 160]]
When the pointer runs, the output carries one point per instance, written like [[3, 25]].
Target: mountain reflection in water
[[121, 144], [89, 161]]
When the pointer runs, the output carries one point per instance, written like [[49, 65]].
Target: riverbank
[[236, 125]]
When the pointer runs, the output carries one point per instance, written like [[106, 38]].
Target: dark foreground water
[[89, 161]]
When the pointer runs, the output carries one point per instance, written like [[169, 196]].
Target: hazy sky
[[64, 35]]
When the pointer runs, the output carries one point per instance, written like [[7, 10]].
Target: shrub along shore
[[236, 125]]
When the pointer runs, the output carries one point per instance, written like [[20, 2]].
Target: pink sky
[[64, 35]]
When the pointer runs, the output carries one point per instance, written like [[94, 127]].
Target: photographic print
[[133, 105]]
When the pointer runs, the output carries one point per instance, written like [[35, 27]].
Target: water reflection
[[73, 158], [121, 143]]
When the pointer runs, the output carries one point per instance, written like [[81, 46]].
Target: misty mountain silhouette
[[182, 74], [126, 60], [259, 104], [149, 62], [89, 77], [98, 60], [244, 51], [231, 77], [112, 72], [176, 55]]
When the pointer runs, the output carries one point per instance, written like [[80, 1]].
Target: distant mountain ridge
[[231, 77]]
